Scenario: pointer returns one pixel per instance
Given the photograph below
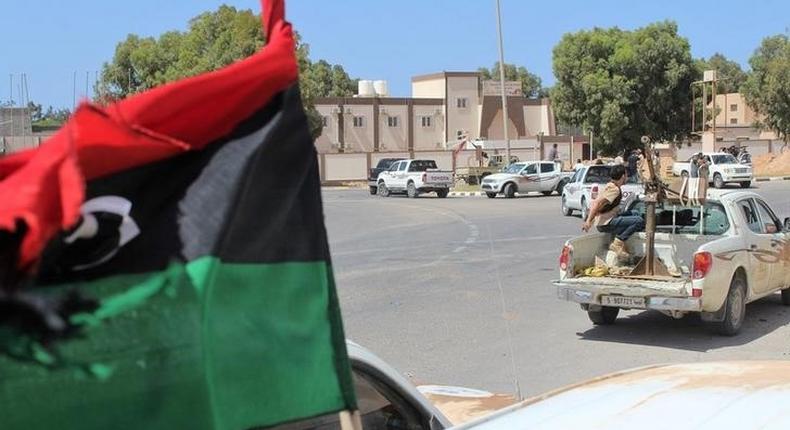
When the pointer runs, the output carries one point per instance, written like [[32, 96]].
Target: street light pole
[[502, 79]]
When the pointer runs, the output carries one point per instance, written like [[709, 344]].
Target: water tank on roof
[[381, 88], [365, 88]]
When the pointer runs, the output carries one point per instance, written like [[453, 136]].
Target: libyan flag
[[165, 261]]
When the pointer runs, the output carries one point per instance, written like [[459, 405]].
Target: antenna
[[74, 92], [11, 88], [87, 78]]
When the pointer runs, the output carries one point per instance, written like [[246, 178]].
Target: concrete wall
[[431, 88], [393, 138], [9, 144], [358, 139], [344, 167], [329, 139], [495, 130], [429, 138], [464, 118]]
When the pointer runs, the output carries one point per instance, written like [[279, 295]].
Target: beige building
[[736, 120], [442, 105]]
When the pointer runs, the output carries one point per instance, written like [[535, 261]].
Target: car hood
[[743, 395]]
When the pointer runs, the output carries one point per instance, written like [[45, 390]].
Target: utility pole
[[74, 92], [502, 80]]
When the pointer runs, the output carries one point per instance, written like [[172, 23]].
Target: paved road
[[457, 291]]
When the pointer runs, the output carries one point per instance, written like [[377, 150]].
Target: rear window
[[385, 163], [687, 219], [422, 165], [598, 174]]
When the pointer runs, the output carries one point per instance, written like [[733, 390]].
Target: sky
[[50, 40]]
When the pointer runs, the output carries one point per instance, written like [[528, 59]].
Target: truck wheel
[[547, 193], [746, 184], [734, 308], [786, 297], [605, 316], [411, 190], [373, 190], [491, 195], [585, 210], [565, 210], [510, 190], [718, 181], [383, 190], [442, 193]]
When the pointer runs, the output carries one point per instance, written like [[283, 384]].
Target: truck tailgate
[[438, 178], [642, 293], [629, 286]]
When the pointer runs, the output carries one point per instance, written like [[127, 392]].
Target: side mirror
[[787, 224]]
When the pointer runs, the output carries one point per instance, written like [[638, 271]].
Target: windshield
[[687, 219], [514, 168], [724, 159]]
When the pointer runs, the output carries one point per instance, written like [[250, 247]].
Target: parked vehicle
[[582, 189], [722, 255], [414, 177], [524, 177], [739, 395], [373, 174], [473, 175], [724, 169]]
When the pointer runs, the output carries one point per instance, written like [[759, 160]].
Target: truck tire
[[786, 297], [547, 193], [383, 190], [718, 181], [373, 190], [491, 195], [411, 190], [604, 316], [746, 184], [510, 190], [734, 308], [442, 193], [564, 207]]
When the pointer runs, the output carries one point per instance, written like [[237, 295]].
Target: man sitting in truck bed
[[605, 214]]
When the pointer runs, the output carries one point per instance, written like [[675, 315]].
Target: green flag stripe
[[268, 342]]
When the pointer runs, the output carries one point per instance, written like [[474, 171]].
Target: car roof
[[744, 395]]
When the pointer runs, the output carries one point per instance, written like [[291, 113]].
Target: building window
[[325, 120], [359, 121], [733, 120], [733, 108], [460, 102], [392, 121], [425, 121]]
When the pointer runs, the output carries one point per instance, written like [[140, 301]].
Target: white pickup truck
[[724, 168], [725, 254], [524, 177], [414, 177], [583, 187]]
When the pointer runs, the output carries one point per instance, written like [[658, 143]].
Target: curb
[[466, 194], [772, 178]]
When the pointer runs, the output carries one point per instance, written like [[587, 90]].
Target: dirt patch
[[772, 164]]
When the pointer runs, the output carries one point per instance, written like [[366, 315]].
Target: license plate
[[627, 302]]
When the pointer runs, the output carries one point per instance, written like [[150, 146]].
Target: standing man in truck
[[606, 217]]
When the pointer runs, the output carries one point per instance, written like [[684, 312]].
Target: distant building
[[442, 106], [15, 121], [736, 120]]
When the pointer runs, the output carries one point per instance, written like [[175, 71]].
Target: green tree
[[622, 85], [212, 40], [530, 83], [768, 87]]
